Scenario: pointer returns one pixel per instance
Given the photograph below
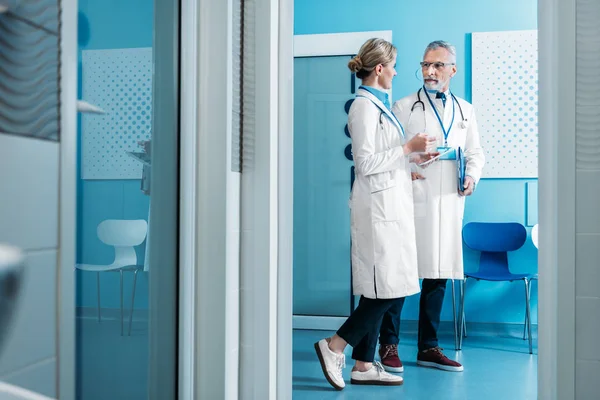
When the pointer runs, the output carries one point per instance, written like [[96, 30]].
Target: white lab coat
[[439, 209], [384, 254]]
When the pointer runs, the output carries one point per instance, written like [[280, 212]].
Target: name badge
[[447, 153]]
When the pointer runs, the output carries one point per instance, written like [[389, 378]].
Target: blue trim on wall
[[468, 72]]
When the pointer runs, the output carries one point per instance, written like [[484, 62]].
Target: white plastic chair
[[535, 241], [124, 235]]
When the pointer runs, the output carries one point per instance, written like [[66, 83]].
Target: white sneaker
[[376, 376], [331, 364]]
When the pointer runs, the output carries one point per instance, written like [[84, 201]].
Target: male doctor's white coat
[[439, 209], [384, 254]]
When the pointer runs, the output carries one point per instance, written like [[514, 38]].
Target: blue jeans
[[430, 309]]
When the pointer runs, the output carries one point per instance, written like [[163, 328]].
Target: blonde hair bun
[[372, 53], [355, 64]]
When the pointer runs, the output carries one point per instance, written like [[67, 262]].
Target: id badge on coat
[[450, 153]]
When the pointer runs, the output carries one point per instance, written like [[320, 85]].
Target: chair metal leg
[[454, 315], [98, 290], [464, 323], [463, 320], [462, 312], [528, 314], [121, 272], [132, 300]]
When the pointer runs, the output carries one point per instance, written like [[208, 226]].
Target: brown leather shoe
[[388, 353], [434, 358]]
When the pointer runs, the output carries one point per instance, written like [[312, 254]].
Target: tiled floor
[[496, 368]]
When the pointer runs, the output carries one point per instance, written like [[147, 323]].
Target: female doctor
[[384, 254]]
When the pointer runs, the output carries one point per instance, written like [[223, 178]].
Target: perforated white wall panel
[[505, 96], [120, 82]]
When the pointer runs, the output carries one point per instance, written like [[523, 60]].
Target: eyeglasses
[[436, 65]]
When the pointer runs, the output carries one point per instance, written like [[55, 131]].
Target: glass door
[[127, 213]]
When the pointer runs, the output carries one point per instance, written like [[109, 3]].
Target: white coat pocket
[[420, 197], [385, 202]]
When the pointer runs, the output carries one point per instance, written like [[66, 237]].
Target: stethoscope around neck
[[419, 102]]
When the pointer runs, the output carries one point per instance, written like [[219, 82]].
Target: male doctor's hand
[[469, 187], [416, 175]]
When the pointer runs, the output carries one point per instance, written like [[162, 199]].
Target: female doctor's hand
[[420, 158], [469, 187], [418, 144]]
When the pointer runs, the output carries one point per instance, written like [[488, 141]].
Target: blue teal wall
[[414, 25], [109, 24]]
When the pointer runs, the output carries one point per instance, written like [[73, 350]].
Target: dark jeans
[[361, 329], [430, 309]]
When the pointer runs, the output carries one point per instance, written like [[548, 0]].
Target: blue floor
[[496, 368], [111, 366]]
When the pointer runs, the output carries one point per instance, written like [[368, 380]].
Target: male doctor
[[439, 202]]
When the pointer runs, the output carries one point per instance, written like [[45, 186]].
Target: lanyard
[[446, 133], [386, 114], [399, 124]]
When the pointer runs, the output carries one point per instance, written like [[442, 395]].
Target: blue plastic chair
[[494, 240]]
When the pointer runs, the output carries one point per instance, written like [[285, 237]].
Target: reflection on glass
[[116, 64]]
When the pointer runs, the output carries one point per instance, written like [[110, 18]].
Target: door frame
[[557, 115], [209, 300], [163, 285], [334, 44], [67, 231], [188, 199]]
